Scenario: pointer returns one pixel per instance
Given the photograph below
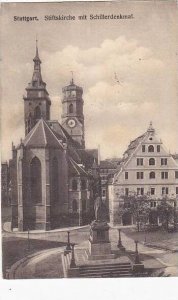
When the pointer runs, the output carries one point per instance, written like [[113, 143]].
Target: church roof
[[88, 156], [62, 133], [76, 169], [72, 86], [41, 136]]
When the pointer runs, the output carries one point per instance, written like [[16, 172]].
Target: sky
[[142, 53]]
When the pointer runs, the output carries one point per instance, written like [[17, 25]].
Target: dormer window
[[150, 148]]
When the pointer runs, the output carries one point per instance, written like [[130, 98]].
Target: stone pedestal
[[138, 268], [99, 244]]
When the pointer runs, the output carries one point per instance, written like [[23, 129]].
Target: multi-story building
[[107, 169], [51, 172], [147, 169]]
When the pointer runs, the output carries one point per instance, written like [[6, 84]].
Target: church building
[[148, 171], [53, 176]]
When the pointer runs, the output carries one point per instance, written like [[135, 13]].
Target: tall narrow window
[[55, 181], [158, 148], [84, 204], [151, 162], [176, 174], [143, 148], [104, 193], [74, 205], [152, 191], [126, 175], [74, 184], [126, 191], [150, 148], [83, 184], [71, 108], [37, 112], [35, 178]]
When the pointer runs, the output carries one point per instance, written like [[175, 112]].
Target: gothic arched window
[[83, 184], [74, 184], [150, 148], [151, 162], [71, 108], [37, 112], [152, 175], [55, 181], [35, 181], [74, 205]]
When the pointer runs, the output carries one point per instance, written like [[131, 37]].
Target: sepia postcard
[[89, 155]]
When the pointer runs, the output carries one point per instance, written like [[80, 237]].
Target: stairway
[[106, 270]]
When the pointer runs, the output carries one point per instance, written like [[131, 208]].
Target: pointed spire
[[37, 78], [72, 80], [36, 58]]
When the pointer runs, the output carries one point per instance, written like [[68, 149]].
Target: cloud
[[114, 112]]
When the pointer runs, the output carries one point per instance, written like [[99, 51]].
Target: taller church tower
[[72, 116], [36, 102]]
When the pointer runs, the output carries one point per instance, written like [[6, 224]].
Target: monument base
[[99, 244], [100, 251]]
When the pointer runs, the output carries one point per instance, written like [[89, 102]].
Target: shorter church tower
[[36, 102], [72, 117]]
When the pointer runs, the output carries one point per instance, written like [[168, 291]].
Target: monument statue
[[99, 243], [100, 210]]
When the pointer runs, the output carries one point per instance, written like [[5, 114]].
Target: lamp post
[[68, 247], [119, 244], [137, 260], [72, 262]]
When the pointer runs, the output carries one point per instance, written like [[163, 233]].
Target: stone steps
[[109, 270]]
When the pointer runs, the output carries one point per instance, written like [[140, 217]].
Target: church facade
[[53, 176], [147, 171]]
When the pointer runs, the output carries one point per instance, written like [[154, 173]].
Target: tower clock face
[[71, 123]]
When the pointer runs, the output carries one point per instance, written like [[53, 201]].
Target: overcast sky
[[143, 52]]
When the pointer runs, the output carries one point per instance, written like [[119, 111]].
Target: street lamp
[[137, 260], [119, 245], [28, 239], [72, 262], [68, 247]]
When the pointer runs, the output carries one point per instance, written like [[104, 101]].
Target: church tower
[[72, 116], [36, 102]]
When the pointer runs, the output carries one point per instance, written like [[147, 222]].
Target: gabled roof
[[133, 146], [106, 164], [42, 136]]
